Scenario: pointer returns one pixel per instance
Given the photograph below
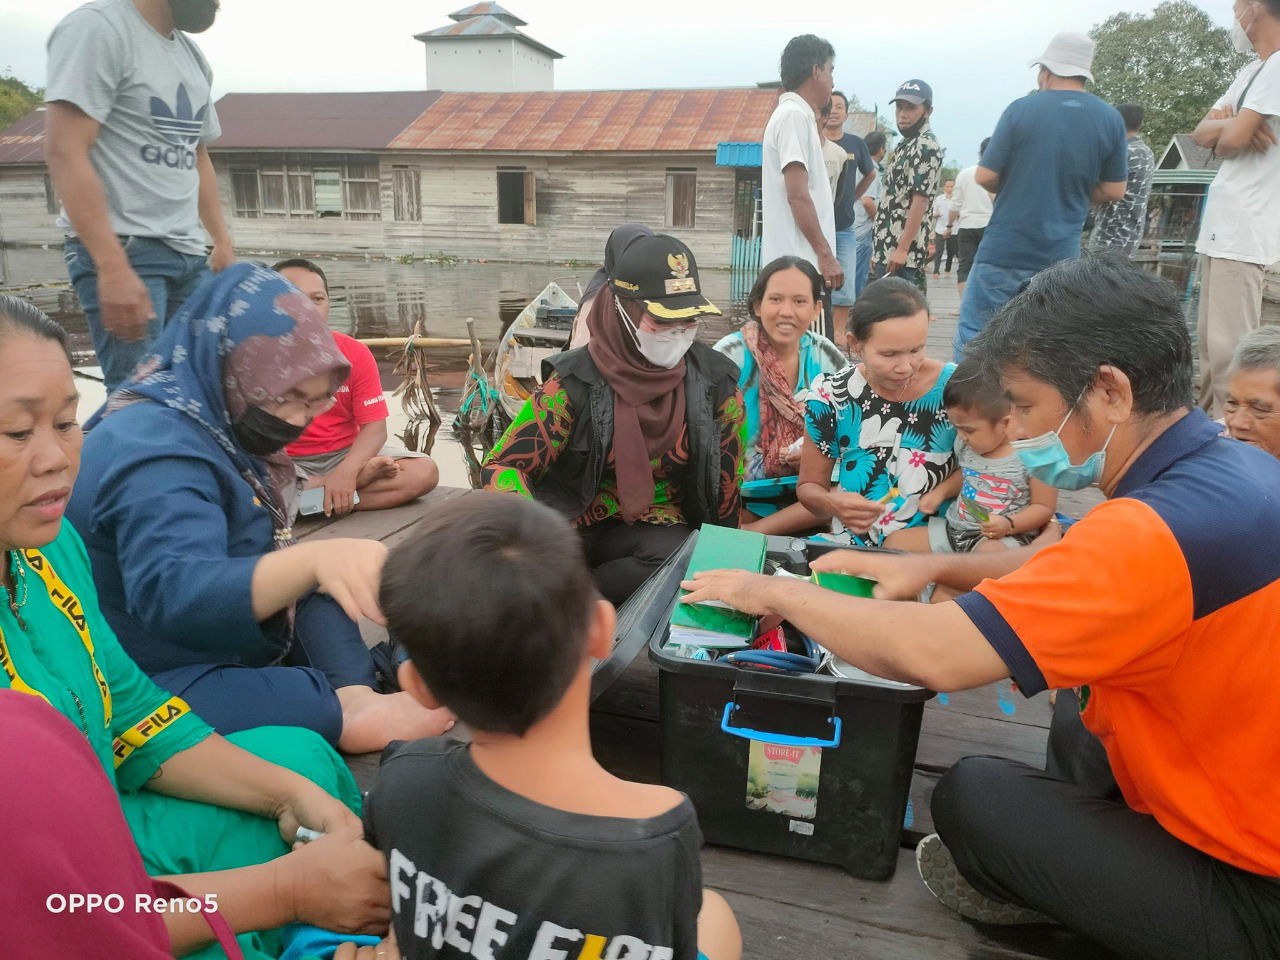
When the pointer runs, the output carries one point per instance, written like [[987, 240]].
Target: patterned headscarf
[[245, 337]]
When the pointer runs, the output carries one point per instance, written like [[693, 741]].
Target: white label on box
[[802, 827], [784, 779]]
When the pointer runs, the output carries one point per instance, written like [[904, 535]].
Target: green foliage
[[949, 172], [17, 99], [1175, 63]]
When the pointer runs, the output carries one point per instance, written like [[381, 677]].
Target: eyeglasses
[[286, 407]]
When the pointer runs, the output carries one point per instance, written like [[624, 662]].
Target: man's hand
[[832, 272], [1222, 113], [897, 260], [1264, 138], [748, 592], [897, 577], [221, 256], [124, 303], [339, 492]]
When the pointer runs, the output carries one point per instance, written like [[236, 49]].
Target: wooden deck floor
[[790, 908]]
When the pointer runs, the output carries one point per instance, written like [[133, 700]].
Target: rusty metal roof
[[317, 121], [483, 28], [487, 10], [23, 140], [590, 120]]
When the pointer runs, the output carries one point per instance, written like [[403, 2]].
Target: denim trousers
[[987, 289], [170, 278]]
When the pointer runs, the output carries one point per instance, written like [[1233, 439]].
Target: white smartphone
[[311, 501]]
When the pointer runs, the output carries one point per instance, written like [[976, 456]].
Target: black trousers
[[1075, 852], [621, 555], [967, 240], [939, 244]]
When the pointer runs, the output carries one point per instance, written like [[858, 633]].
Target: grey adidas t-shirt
[[151, 96]]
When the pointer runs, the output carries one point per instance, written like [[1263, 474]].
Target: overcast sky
[[973, 52]]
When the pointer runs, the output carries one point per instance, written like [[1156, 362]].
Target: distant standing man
[[1240, 233], [1121, 225], [910, 184], [1053, 153], [944, 237], [796, 201], [969, 216], [129, 115], [858, 172], [864, 212]]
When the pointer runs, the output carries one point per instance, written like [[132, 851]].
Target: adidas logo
[[180, 127]]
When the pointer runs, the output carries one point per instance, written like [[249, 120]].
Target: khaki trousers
[[1230, 306]]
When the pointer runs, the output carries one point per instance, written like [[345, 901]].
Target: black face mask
[[193, 16], [915, 128], [262, 433]]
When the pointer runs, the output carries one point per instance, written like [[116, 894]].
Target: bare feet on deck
[[377, 468], [371, 720]]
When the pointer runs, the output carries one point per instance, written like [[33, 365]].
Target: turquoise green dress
[[59, 646]]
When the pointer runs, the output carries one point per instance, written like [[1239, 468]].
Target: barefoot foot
[[378, 468], [371, 720]]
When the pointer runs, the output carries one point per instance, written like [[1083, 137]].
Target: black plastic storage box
[[812, 766]]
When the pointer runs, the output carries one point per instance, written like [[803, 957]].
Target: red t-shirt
[[359, 401]]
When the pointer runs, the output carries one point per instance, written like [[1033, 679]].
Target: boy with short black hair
[[996, 504], [519, 845]]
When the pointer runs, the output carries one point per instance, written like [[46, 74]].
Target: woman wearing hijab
[[638, 436], [614, 248], [215, 816], [779, 355], [185, 503]]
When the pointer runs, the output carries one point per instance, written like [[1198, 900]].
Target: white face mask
[[663, 348], [1240, 37]]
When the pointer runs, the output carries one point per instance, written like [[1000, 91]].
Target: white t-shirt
[[862, 221], [941, 211], [1242, 213], [791, 136], [973, 202]]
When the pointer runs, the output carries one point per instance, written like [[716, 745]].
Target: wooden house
[[28, 206], [538, 176]]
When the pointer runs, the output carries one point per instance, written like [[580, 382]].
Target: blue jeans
[[863, 244], [170, 278], [989, 288], [847, 254]]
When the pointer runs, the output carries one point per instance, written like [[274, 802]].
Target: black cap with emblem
[[660, 272]]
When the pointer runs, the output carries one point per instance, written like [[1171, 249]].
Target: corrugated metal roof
[[739, 154], [591, 120], [23, 140], [483, 28], [487, 10], [317, 121]]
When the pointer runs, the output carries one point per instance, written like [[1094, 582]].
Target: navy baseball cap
[[914, 91]]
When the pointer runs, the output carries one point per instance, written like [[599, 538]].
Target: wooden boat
[[540, 330]]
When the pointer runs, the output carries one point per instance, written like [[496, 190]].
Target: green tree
[[1175, 63], [17, 99]]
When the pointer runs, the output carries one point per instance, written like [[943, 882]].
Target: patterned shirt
[[535, 438], [891, 451], [914, 168], [1122, 224]]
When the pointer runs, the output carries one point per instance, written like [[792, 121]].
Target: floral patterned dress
[[885, 450]]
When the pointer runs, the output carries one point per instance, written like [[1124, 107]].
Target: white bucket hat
[[1068, 55]]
